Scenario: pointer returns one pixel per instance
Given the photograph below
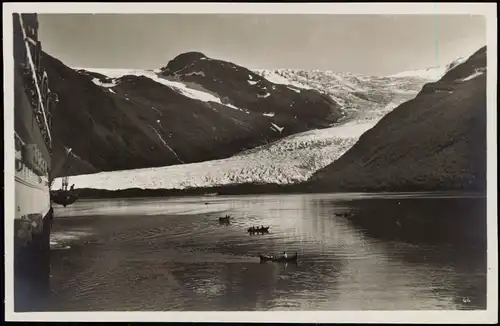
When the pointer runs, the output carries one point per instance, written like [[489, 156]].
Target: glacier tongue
[[289, 160]]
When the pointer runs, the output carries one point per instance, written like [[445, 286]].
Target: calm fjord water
[[395, 252]]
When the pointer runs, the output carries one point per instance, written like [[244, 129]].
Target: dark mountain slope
[[136, 122], [435, 141], [245, 89]]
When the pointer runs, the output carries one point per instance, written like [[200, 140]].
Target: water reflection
[[451, 236], [176, 260]]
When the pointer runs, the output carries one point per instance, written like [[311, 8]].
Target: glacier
[[365, 100]]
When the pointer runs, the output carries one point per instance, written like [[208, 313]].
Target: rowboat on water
[[344, 214], [258, 229], [285, 257], [225, 218], [63, 198]]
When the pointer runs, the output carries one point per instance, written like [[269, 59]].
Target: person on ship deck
[[64, 184]]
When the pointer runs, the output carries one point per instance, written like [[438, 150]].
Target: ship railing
[[32, 68]]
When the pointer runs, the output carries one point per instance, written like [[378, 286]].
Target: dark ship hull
[[33, 159]]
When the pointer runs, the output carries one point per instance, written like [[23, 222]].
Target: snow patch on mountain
[[195, 73], [455, 63], [276, 127], [99, 83], [477, 72], [264, 96], [434, 73], [178, 86], [167, 145], [275, 77]]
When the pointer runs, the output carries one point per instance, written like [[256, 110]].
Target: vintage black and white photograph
[[250, 161]]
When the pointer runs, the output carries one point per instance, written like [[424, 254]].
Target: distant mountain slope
[[435, 141], [115, 120]]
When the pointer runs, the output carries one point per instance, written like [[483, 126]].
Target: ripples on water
[[159, 254]]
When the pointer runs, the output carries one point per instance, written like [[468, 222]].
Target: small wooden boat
[[344, 214], [258, 230], [280, 258], [62, 197], [225, 218]]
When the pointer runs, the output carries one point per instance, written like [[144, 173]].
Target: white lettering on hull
[[32, 186], [32, 194]]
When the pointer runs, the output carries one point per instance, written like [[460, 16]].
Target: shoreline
[[253, 189]]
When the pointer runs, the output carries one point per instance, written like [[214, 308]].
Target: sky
[[364, 44]]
